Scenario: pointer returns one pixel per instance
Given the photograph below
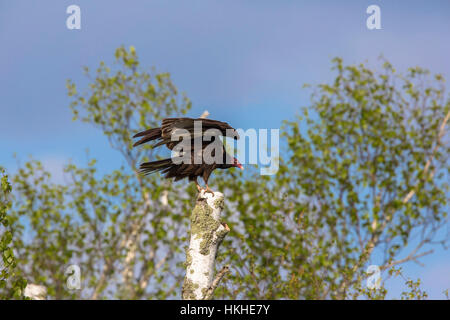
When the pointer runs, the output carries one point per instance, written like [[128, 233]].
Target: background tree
[[364, 168], [11, 285], [122, 229]]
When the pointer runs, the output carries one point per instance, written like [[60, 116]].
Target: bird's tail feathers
[[154, 166]]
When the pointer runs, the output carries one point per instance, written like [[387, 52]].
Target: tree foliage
[[364, 170], [11, 285]]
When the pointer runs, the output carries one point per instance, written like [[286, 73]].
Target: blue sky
[[244, 61]]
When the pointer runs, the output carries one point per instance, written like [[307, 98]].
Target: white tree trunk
[[207, 232], [35, 292]]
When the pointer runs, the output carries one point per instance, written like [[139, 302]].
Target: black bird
[[185, 128]]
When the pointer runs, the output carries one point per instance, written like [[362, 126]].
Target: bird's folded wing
[[172, 126], [174, 130]]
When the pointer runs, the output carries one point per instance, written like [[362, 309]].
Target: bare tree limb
[[215, 283], [410, 257], [204, 115]]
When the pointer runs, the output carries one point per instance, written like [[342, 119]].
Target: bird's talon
[[209, 190]]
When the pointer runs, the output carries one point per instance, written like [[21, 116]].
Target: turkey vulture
[[193, 132]]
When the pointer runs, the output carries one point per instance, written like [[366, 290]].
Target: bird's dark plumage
[[185, 128]]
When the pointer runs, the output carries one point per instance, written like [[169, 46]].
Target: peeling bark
[[207, 232]]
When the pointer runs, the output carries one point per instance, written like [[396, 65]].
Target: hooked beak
[[238, 164]]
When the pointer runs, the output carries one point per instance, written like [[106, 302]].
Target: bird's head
[[230, 162]]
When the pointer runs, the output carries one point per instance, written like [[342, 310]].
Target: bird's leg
[[209, 190], [199, 188]]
